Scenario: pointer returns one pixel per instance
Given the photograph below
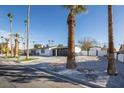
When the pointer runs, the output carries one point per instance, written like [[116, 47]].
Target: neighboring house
[[63, 51], [121, 50], [41, 51], [52, 51], [120, 54], [94, 51]]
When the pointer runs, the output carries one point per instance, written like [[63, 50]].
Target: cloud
[[4, 33]]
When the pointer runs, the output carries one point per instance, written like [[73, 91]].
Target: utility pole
[[28, 21], [10, 18]]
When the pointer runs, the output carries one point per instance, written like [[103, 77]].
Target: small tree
[[87, 43]]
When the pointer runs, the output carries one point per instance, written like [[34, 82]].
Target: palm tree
[[27, 39], [6, 49], [111, 70], [16, 52], [10, 18], [24, 46], [52, 42], [49, 42], [1, 45], [73, 11], [33, 43]]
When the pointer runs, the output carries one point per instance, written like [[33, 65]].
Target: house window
[[42, 51]]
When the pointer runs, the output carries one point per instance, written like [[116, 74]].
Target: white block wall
[[102, 53], [83, 53], [92, 53], [121, 57]]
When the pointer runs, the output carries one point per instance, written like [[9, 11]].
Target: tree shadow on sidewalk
[[25, 74]]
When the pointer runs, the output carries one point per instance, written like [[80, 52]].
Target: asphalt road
[[17, 76]]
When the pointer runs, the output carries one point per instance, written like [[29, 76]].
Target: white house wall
[[47, 52], [38, 51]]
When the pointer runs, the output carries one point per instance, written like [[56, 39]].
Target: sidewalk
[[89, 72]]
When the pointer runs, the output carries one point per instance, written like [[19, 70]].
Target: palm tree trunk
[[111, 70], [71, 64], [28, 21], [2, 46], [11, 39], [6, 54], [16, 46]]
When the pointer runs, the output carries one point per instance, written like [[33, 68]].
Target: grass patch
[[8, 57], [17, 59], [29, 59]]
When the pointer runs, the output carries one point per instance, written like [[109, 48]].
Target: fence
[[121, 57], [93, 53]]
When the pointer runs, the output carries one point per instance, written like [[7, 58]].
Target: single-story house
[[53, 51]]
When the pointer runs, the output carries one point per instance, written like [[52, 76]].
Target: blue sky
[[49, 23]]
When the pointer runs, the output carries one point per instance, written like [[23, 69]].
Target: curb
[[72, 79]]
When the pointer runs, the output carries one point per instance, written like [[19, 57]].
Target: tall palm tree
[[73, 11], [10, 19], [111, 70], [27, 43], [16, 49], [49, 42]]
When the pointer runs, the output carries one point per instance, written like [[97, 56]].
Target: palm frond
[[10, 15], [77, 9]]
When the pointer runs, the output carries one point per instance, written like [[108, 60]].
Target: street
[[17, 76]]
